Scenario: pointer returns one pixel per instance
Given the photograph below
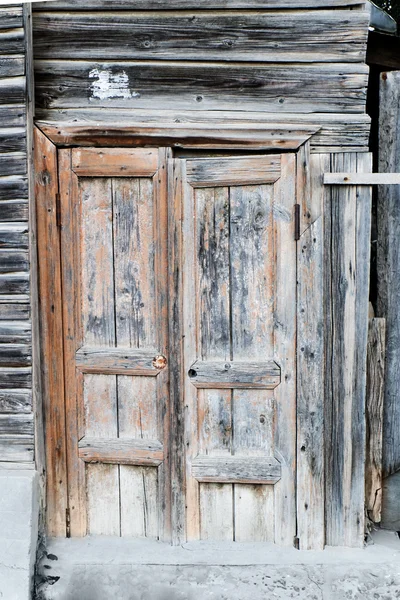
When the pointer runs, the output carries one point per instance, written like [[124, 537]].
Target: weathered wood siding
[[202, 57], [16, 416]]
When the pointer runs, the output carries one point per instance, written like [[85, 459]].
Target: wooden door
[[238, 305], [114, 280]]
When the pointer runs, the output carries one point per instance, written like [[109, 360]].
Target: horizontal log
[[12, 115], [232, 469], [15, 401], [16, 448], [12, 41], [223, 374], [14, 210], [308, 36], [220, 171], [10, 17], [13, 163], [14, 312], [186, 4], [112, 162], [14, 235], [201, 86], [12, 261], [121, 451], [362, 178], [12, 139], [12, 66], [15, 378], [14, 283], [123, 361], [16, 424], [12, 90], [205, 129], [13, 188], [14, 332], [15, 355]]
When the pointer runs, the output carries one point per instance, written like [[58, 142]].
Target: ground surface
[[109, 568]]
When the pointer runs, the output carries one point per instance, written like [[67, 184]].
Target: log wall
[[16, 413]]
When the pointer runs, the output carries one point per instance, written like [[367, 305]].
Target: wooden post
[[374, 416]]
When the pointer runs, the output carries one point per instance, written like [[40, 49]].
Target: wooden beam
[[190, 4], [229, 375], [119, 361], [362, 178]]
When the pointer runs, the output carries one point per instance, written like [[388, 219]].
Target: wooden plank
[[11, 377], [13, 260], [308, 36], [388, 290], [15, 332], [12, 90], [216, 512], [362, 179], [50, 315], [15, 355], [13, 210], [231, 469], [12, 41], [198, 86], [374, 417], [11, 66], [310, 354], [235, 374], [180, 4], [103, 500], [16, 448], [13, 188], [14, 235], [123, 361], [21, 466], [348, 219], [14, 312], [14, 283], [106, 162], [139, 502], [15, 401], [121, 451], [223, 172], [13, 163], [16, 424], [10, 17]]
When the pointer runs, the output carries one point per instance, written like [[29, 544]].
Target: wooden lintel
[[362, 178]]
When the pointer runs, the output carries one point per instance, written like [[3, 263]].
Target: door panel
[[239, 326], [115, 285]]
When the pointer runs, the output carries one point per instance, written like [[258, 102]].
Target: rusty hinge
[[58, 210], [297, 222], [68, 523]]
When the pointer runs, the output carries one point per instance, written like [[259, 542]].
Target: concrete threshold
[[101, 568]]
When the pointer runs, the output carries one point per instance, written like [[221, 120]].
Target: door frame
[[50, 138]]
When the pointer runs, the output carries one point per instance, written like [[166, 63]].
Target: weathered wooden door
[[179, 317], [114, 279], [238, 326]]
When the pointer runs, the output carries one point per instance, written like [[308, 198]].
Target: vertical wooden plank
[[374, 417], [347, 286], [285, 332], [388, 288], [254, 513], [73, 338], [213, 321], [310, 357], [46, 188]]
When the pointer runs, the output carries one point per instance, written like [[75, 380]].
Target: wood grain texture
[[218, 469], [122, 361], [224, 172], [15, 401], [12, 41], [13, 210], [374, 417], [201, 86], [14, 236], [12, 115], [16, 448], [12, 90], [388, 268], [46, 188], [16, 424], [13, 188], [180, 4], [14, 284], [14, 377], [15, 355], [121, 451], [10, 17], [15, 332], [112, 162], [11, 66], [13, 163], [308, 36], [348, 220], [225, 374], [362, 179]]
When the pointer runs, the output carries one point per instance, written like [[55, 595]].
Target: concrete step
[[100, 568]]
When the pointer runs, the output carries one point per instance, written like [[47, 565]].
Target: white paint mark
[[110, 85]]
